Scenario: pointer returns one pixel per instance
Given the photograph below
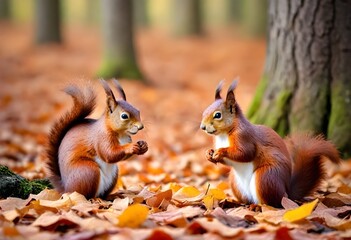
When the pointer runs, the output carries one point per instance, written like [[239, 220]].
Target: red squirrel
[[82, 152], [264, 167]]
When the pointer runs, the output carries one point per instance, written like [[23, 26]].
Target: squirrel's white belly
[[108, 174], [245, 179]]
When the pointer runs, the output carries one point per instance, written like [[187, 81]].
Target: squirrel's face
[[219, 117], [121, 116], [125, 118]]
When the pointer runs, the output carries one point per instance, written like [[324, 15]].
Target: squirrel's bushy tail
[[84, 103], [308, 153]]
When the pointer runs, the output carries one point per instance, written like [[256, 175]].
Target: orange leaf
[[216, 193], [188, 191], [133, 216], [156, 200]]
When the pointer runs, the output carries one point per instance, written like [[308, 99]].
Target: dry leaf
[[133, 216], [159, 198], [212, 225], [301, 212]]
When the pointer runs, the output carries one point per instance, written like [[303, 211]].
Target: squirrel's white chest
[[108, 175], [221, 141], [125, 139]]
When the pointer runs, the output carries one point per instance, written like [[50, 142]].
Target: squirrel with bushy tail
[[264, 167], [82, 152]]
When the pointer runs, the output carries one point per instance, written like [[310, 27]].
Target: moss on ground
[[13, 185]]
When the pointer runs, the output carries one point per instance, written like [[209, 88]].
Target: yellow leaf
[[188, 191], [133, 216], [216, 193], [208, 202], [301, 212], [223, 186], [174, 187]]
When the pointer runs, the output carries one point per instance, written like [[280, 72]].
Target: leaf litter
[[171, 192]]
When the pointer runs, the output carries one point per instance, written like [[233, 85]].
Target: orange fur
[[82, 152], [270, 167]]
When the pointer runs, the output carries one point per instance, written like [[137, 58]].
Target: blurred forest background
[[178, 51]]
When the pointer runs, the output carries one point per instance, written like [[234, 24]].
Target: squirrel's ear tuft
[[111, 100], [230, 100], [119, 89], [218, 90]]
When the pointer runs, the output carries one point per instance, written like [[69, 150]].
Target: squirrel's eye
[[217, 115], [124, 116]]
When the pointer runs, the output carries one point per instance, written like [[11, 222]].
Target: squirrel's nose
[[141, 126], [202, 126]]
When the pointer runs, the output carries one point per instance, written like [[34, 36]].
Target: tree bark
[[118, 55], [306, 82], [47, 21], [4, 10], [186, 18]]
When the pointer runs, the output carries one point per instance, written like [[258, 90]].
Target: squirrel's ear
[[111, 101], [119, 89], [218, 90], [230, 100]]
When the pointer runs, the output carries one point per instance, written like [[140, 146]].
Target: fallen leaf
[[212, 225], [208, 201], [283, 234], [133, 216], [301, 212], [336, 200], [288, 203], [228, 220], [156, 200]]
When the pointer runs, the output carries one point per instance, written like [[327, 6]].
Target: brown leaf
[[228, 220], [212, 225], [336, 200], [12, 203], [159, 198], [178, 216], [289, 204], [50, 221]]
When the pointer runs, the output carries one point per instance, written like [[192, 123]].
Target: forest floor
[[186, 196]]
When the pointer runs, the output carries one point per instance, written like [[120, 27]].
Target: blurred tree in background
[[4, 9], [140, 13], [306, 84], [254, 17], [185, 17], [47, 21], [118, 55]]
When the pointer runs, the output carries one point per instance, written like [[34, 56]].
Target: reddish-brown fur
[[76, 144], [290, 167]]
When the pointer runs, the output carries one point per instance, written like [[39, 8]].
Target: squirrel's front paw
[[213, 156], [209, 154], [140, 148], [217, 157]]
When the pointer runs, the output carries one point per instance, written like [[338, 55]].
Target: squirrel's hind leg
[[83, 177]]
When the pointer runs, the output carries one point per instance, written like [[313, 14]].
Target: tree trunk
[[254, 17], [186, 18], [141, 13], [47, 21], [306, 84], [118, 56], [4, 9]]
